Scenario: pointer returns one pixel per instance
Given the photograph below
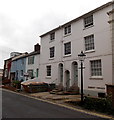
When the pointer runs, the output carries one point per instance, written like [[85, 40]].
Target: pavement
[[55, 98], [62, 100]]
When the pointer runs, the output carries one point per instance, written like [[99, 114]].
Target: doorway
[[61, 73], [67, 77], [75, 73]]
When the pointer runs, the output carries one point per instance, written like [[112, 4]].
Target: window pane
[[96, 68], [67, 48], [48, 70], [89, 42], [31, 60], [52, 50], [52, 36], [88, 21], [30, 73], [67, 29]]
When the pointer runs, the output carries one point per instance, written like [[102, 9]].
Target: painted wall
[[34, 66], [103, 51], [18, 65]]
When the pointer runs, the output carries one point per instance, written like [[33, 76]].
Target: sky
[[23, 21]]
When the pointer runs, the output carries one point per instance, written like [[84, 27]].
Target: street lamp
[[81, 58]]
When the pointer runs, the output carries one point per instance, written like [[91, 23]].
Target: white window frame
[[48, 70], [89, 42], [67, 30], [96, 68], [52, 36], [88, 21], [30, 72], [30, 60], [52, 52], [67, 50]]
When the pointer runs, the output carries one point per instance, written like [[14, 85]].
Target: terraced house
[[92, 33], [18, 66], [32, 62]]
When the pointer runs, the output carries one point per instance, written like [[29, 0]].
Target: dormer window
[[52, 36], [67, 29], [88, 21]]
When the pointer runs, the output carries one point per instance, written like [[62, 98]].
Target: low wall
[[110, 91]]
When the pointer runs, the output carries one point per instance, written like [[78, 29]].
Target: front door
[[61, 73], [67, 75], [75, 73]]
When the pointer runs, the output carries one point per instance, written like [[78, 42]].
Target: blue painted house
[[18, 67]]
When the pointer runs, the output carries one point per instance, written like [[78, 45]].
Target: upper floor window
[[31, 60], [48, 70], [67, 48], [52, 50], [88, 21], [52, 36], [89, 42], [67, 30], [96, 68]]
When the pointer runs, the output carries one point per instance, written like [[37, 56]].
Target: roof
[[8, 59], [82, 16], [33, 53], [23, 55]]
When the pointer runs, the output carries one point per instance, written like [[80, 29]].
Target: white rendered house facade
[[32, 62], [60, 47]]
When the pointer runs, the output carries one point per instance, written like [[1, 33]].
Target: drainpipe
[[111, 22]]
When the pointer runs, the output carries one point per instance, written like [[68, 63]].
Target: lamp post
[[81, 57]]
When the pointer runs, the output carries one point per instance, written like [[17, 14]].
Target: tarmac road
[[18, 106]]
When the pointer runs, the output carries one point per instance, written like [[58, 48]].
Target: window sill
[[89, 51], [88, 27], [48, 77], [51, 58], [67, 56], [51, 41], [96, 78], [67, 35]]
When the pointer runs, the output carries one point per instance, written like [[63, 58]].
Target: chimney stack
[[37, 48]]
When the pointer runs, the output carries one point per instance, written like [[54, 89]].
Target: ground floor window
[[96, 68], [48, 70], [30, 73]]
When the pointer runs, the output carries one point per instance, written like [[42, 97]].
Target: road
[[18, 106]]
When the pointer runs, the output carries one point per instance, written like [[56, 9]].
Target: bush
[[17, 84], [99, 104]]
